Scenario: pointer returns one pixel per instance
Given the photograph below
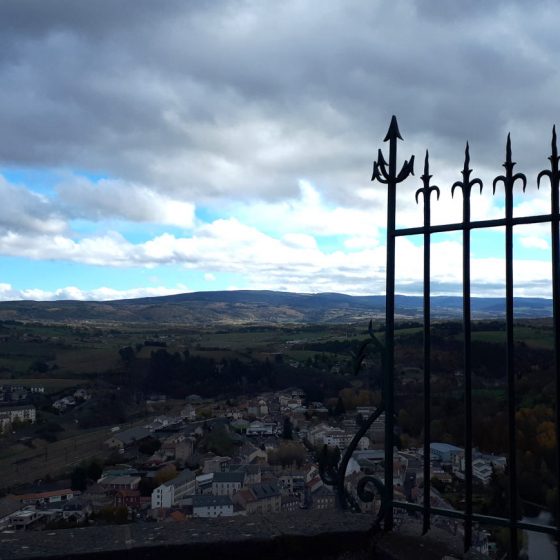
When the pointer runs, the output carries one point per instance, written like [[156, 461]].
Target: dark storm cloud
[[227, 100]]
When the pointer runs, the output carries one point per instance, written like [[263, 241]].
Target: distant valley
[[241, 307]]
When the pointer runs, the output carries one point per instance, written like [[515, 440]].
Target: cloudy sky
[[153, 147]]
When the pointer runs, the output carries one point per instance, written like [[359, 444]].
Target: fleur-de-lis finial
[[427, 190], [553, 173], [509, 178], [467, 183]]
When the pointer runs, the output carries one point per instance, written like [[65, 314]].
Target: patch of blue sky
[[208, 215], [49, 275], [331, 243], [35, 179], [45, 180], [25, 274]]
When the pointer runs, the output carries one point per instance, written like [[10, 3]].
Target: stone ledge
[[302, 535]]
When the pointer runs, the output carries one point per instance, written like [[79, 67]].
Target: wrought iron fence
[[388, 174]]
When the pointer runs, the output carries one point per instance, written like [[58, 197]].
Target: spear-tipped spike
[[393, 131], [554, 146], [427, 164], [508, 149], [467, 156]]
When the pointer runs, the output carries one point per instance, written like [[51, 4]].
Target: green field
[[532, 336]]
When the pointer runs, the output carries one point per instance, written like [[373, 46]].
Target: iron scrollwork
[[334, 475]]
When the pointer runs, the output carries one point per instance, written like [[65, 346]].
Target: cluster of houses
[[11, 414], [16, 404], [174, 480], [70, 401], [40, 507], [18, 393]]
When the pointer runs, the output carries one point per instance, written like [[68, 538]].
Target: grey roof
[[132, 434], [200, 500], [121, 480], [181, 478], [235, 476], [263, 491]]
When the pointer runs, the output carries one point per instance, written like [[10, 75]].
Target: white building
[[168, 493], [336, 437], [212, 506], [261, 428], [11, 414], [227, 483]]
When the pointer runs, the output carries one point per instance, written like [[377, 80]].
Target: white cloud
[[8, 293], [309, 214], [108, 198], [533, 242], [183, 107], [22, 210], [294, 263]]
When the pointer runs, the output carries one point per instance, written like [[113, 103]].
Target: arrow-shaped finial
[[467, 156], [508, 149], [393, 131], [554, 146], [427, 164]]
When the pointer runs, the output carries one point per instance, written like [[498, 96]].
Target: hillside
[[258, 307]]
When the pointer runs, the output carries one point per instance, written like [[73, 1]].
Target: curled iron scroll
[[334, 475]]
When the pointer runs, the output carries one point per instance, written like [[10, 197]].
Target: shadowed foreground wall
[[302, 535]]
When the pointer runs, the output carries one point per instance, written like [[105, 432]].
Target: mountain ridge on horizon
[[260, 307]]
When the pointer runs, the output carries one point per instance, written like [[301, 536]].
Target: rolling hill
[[259, 307]]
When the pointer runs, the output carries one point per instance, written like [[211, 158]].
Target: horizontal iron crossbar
[[479, 518], [520, 220]]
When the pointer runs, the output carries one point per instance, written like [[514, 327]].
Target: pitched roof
[[184, 476], [201, 500], [264, 491], [235, 476], [132, 434]]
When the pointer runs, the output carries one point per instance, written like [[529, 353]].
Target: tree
[[287, 454], [328, 457], [287, 431], [219, 441], [94, 470], [127, 354], [147, 486], [339, 409], [78, 478], [149, 446], [166, 473]]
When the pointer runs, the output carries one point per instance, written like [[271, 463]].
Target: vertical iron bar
[[554, 178], [427, 391], [426, 191], [390, 332], [467, 369], [555, 233], [466, 186], [509, 180], [390, 178], [513, 507]]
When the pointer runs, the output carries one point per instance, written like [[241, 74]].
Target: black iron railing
[[386, 173]]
